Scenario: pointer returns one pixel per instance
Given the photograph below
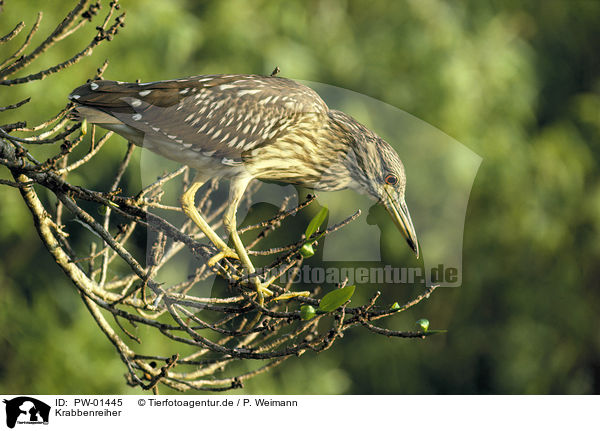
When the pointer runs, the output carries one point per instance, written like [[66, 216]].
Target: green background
[[516, 82]]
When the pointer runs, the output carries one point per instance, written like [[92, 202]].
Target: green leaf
[[424, 324], [395, 306], [307, 312], [307, 250], [316, 222], [336, 298]]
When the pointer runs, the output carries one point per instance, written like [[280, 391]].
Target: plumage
[[205, 109]]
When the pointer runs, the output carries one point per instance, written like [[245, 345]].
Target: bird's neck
[[310, 153]]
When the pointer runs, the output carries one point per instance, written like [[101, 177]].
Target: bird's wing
[[216, 115]]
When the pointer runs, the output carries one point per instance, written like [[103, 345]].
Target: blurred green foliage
[[516, 82]]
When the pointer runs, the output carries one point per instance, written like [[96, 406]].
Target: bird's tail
[[92, 115]]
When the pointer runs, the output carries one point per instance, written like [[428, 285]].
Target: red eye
[[391, 179]]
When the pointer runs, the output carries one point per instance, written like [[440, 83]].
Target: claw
[[290, 295], [262, 291], [228, 253]]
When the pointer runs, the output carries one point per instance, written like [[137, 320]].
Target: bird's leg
[[188, 206], [236, 191]]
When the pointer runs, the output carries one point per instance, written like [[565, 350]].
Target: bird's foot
[[227, 253], [262, 291], [291, 295]]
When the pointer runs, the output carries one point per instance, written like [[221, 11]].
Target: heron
[[245, 127]]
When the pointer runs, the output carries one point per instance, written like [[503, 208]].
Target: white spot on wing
[[230, 162], [74, 96], [136, 117], [244, 92], [265, 101], [145, 92], [217, 105], [136, 102], [94, 86]]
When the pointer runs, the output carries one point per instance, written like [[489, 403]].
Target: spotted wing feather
[[217, 115]]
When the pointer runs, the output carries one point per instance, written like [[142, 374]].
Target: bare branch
[[102, 35], [15, 31], [48, 42], [25, 44], [16, 105]]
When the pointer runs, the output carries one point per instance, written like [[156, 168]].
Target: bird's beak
[[396, 206]]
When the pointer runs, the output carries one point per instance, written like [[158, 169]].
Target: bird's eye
[[391, 179]]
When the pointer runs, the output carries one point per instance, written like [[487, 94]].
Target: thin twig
[[16, 105], [48, 42], [13, 32]]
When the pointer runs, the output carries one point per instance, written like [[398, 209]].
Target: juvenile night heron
[[243, 127]]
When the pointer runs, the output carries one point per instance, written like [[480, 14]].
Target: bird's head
[[377, 170], [388, 185]]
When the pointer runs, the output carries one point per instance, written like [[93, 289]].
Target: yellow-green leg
[[188, 205], [236, 191]]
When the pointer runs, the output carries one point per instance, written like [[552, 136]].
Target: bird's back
[[201, 120]]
